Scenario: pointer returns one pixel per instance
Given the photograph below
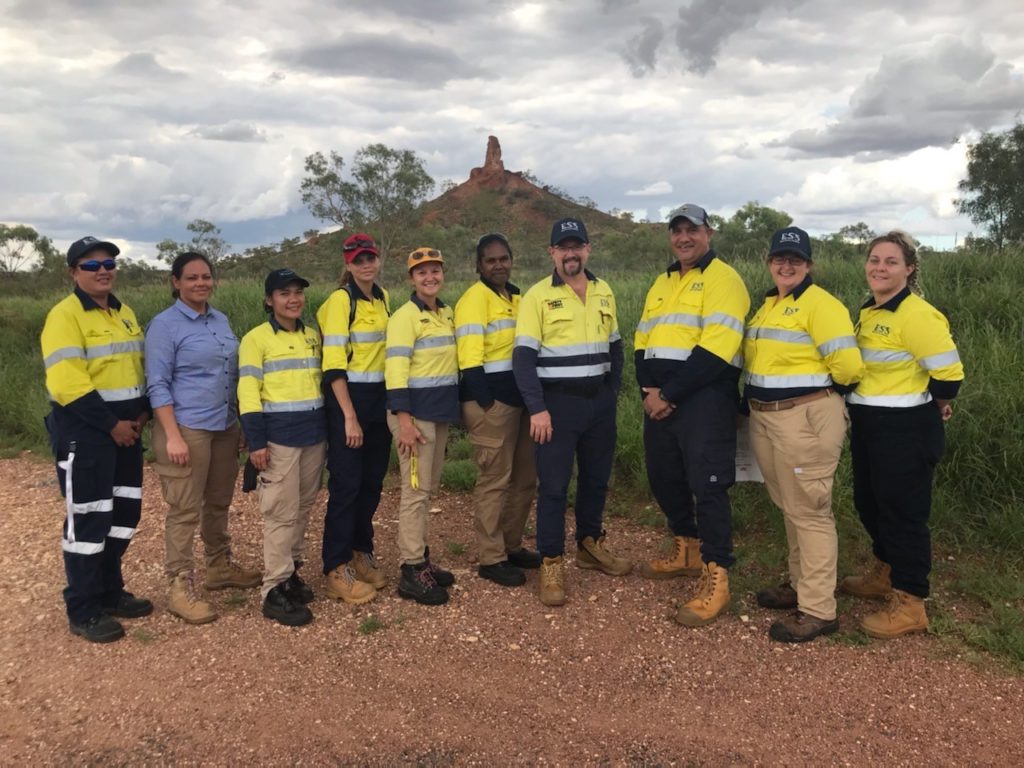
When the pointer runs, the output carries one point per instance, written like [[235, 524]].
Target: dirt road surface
[[493, 678]]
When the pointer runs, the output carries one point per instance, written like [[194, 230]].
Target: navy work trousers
[[895, 452], [583, 430], [102, 513], [354, 483], [691, 464]]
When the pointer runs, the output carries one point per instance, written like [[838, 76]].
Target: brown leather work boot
[[342, 584], [903, 614], [224, 572], [551, 586], [800, 627], [183, 603], [873, 584], [592, 554], [683, 561], [780, 597], [712, 598], [366, 568]]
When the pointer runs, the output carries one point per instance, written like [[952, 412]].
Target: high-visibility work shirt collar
[[299, 325], [892, 304], [702, 263], [510, 287], [357, 292], [796, 293], [423, 307], [88, 302], [557, 280]]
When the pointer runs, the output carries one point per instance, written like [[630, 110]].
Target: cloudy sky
[[129, 119]]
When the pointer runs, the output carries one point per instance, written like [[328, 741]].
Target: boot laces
[[678, 545], [426, 577], [553, 572], [347, 574], [369, 560]]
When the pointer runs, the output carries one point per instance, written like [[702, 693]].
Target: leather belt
[[785, 405]]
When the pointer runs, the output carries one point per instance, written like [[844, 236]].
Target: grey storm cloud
[[642, 48], [144, 65], [382, 56], [232, 131], [920, 97]]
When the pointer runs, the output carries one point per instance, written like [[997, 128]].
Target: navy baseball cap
[[791, 240], [282, 278], [89, 243], [692, 213], [564, 229]]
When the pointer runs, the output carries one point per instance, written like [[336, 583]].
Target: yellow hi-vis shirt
[[485, 333], [909, 354], [93, 360], [421, 365], [800, 343], [356, 352], [279, 398]]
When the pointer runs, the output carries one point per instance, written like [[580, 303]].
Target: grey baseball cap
[[692, 213]]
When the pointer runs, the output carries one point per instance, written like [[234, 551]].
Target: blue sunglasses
[[94, 266]]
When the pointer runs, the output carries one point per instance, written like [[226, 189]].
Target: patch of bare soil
[[492, 678]]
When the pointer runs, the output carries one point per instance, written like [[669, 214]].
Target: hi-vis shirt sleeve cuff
[[334, 373], [943, 390], [399, 400], [255, 431], [524, 368], [94, 411]]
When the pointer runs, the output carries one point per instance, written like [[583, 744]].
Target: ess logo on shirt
[[697, 287], [605, 303], [882, 330], [790, 310]]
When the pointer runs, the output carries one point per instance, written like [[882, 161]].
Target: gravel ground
[[492, 678]]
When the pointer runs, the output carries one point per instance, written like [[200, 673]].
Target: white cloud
[[651, 190]]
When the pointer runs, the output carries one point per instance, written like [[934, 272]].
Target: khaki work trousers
[[414, 507], [798, 452], [507, 476], [197, 494], [287, 491]]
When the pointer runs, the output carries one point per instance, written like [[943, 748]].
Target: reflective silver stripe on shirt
[[528, 341], [720, 318], [890, 401], [433, 342], [117, 395], [496, 366], [251, 370], [667, 353], [398, 352], [472, 329], [941, 360], [834, 345], [367, 337], [789, 382], [118, 347], [295, 364], [294, 405], [779, 334], [573, 371], [613, 337], [426, 382], [737, 361], [335, 340], [571, 350], [64, 353], [675, 318], [500, 325], [885, 356], [365, 377]]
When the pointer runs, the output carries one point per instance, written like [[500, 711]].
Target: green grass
[[455, 548], [371, 624]]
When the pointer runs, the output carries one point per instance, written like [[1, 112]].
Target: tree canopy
[[994, 187]]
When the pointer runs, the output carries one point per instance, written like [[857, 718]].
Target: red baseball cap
[[358, 243]]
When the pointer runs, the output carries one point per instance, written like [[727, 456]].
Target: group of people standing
[[534, 378]]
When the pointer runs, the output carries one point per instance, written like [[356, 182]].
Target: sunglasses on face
[[424, 253], [94, 266], [360, 244], [365, 258]]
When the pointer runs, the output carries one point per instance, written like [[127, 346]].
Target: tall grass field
[[979, 501]]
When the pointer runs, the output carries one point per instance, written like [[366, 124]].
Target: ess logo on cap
[[789, 237], [570, 226]]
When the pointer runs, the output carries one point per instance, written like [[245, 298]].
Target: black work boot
[[280, 607], [502, 573], [525, 558], [442, 577], [128, 606], [780, 597], [297, 590], [99, 629], [418, 583]]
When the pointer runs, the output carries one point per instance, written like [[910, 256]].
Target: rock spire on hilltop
[[493, 166]]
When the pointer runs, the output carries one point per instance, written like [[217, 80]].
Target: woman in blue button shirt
[[192, 375]]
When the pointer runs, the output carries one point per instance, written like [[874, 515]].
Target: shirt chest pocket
[[559, 325]]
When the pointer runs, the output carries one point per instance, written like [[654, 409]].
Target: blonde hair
[[908, 246]]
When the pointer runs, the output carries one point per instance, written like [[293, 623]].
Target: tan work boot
[[684, 561], [551, 587], [873, 584], [342, 584], [223, 573], [903, 614], [182, 602], [366, 568], [712, 598], [593, 555]]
